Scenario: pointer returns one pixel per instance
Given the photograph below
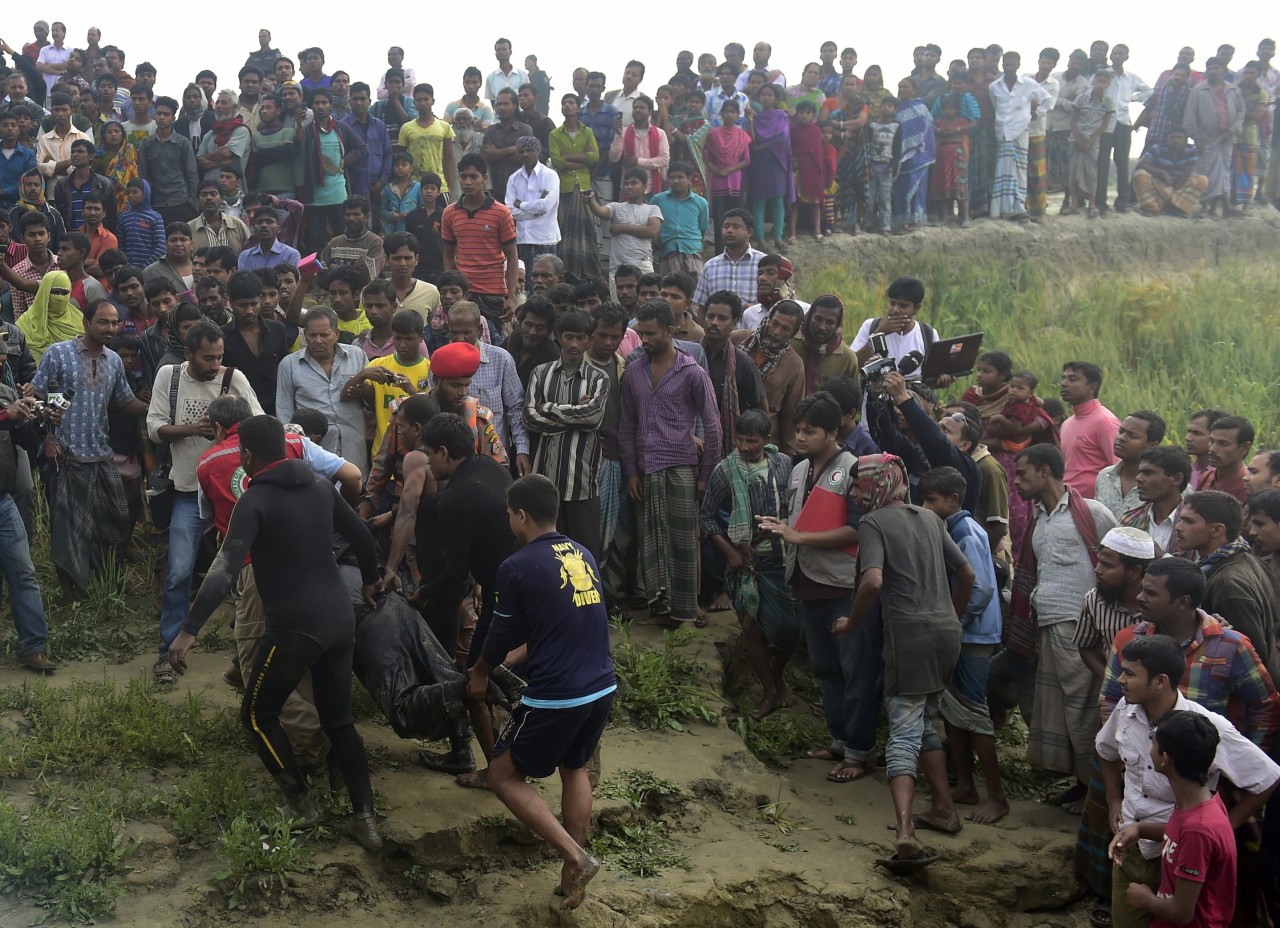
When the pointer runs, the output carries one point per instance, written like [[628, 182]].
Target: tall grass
[[1173, 345]]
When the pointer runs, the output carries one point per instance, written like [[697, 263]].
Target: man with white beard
[[468, 138]]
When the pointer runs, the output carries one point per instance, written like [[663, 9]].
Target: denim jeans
[[20, 573], [185, 529], [911, 732], [848, 670]]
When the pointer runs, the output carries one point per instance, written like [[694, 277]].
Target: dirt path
[[764, 847]]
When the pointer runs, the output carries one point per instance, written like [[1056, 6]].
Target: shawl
[[773, 134], [1021, 631], [1231, 548], [813, 354], [52, 317], [810, 159], [741, 528], [223, 128], [767, 356], [120, 165], [629, 146], [730, 405], [989, 404], [882, 480], [917, 135], [724, 147]]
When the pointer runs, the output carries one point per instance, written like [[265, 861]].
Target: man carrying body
[[571, 680], [286, 519], [662, 394], [1117, 485]]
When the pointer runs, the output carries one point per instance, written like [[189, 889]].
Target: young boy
[[964, 703], [341, 285], [885, 150], [232, 193], [400, 197], [634, 224], [140, 229], [400, 373], [424, 224], [1198, 861]]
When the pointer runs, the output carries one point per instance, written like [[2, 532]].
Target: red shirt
[[1227, 483], [1200, 846], [479, 238], [223, 479]]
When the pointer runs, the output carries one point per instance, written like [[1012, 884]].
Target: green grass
[[655, 689], [1173, 345]]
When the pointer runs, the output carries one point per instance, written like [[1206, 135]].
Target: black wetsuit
[[464, 529], [286, 519]]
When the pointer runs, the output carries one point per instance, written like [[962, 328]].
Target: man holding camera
[[902, 331]]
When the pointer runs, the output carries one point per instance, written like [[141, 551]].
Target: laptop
[[954, 356]]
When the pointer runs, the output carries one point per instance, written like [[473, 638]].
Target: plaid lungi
[[1092, 864], [667, 526], [1009, 189], [1064, 717], [1059, 160], [90, 515]]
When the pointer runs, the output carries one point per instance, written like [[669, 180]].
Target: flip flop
[[861, 770], [1100, 916], [824, 753], [921, 824], [900, 867]]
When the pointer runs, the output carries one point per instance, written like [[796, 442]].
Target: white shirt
[[621, 101], [741, 82], [194, 397], [754, 314], [1068, 92], [1013, 106], [1127, 88], [1148, 797], [1064, 572], [498, 81], [539, 194], [51, 55], [899, 345], [1040, 122]]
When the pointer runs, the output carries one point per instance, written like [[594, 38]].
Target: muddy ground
[[764, 847]]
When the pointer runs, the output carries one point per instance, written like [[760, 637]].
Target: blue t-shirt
[[334, 188], [549, 596]]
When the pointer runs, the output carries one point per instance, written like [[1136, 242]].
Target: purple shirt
[[655, 423]]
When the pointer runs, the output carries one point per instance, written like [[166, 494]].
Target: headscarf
[[882, 479], [120, 166], [786, 287], [33, 206], [528, 143], [52, 317], [813, 355]]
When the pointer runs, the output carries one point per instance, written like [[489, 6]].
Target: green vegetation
[[1169, 345], [778, 738], [259, 858], [641, 789], [655, 688], [643, 848]]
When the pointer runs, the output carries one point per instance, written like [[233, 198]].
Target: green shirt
[[583, 142]]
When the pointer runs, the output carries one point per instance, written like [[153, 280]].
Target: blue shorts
[[542, 740]]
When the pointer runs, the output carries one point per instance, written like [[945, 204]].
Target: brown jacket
[[783, 390]]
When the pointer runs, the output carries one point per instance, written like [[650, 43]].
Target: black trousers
[[1114, 145], [283, 659]]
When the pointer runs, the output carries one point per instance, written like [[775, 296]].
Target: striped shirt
[[479, 238], [564, 432], [1101, 621]]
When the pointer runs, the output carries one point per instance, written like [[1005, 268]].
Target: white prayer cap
[[1131, 542]]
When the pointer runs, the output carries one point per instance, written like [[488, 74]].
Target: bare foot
[[722, 603], [574, 877], [476, 779], [989, 812], [768, 705], [1073, 808], [1073, 793], [908, 847], [786, 698], [965, 797], [933, 821]]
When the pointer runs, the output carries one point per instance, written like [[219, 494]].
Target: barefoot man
[[549, 596]]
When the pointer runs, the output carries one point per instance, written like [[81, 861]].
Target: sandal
[[823, 753], [859, 770], [1100, 916], [163, 672]]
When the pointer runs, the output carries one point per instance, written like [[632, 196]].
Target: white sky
[[182, 41]]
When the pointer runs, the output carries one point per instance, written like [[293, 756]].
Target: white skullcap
[[1131, 542]]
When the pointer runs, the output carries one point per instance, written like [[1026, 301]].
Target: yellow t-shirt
[[355, 326], [384, 393], [426, 146]]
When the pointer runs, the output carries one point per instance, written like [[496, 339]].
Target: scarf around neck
[[223, 128], [1230, 549]]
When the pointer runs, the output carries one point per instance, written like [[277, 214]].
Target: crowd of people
[[448, 398]]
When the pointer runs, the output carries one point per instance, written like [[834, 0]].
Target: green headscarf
[[52, 316]]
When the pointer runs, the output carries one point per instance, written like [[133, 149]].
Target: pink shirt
[[1088, 439]]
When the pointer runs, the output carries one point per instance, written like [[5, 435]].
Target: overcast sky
[[181, 39]]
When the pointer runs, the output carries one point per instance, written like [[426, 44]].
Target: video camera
[[56, 398], [881, 364]]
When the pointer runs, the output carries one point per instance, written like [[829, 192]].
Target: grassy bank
[[1207, 339]]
